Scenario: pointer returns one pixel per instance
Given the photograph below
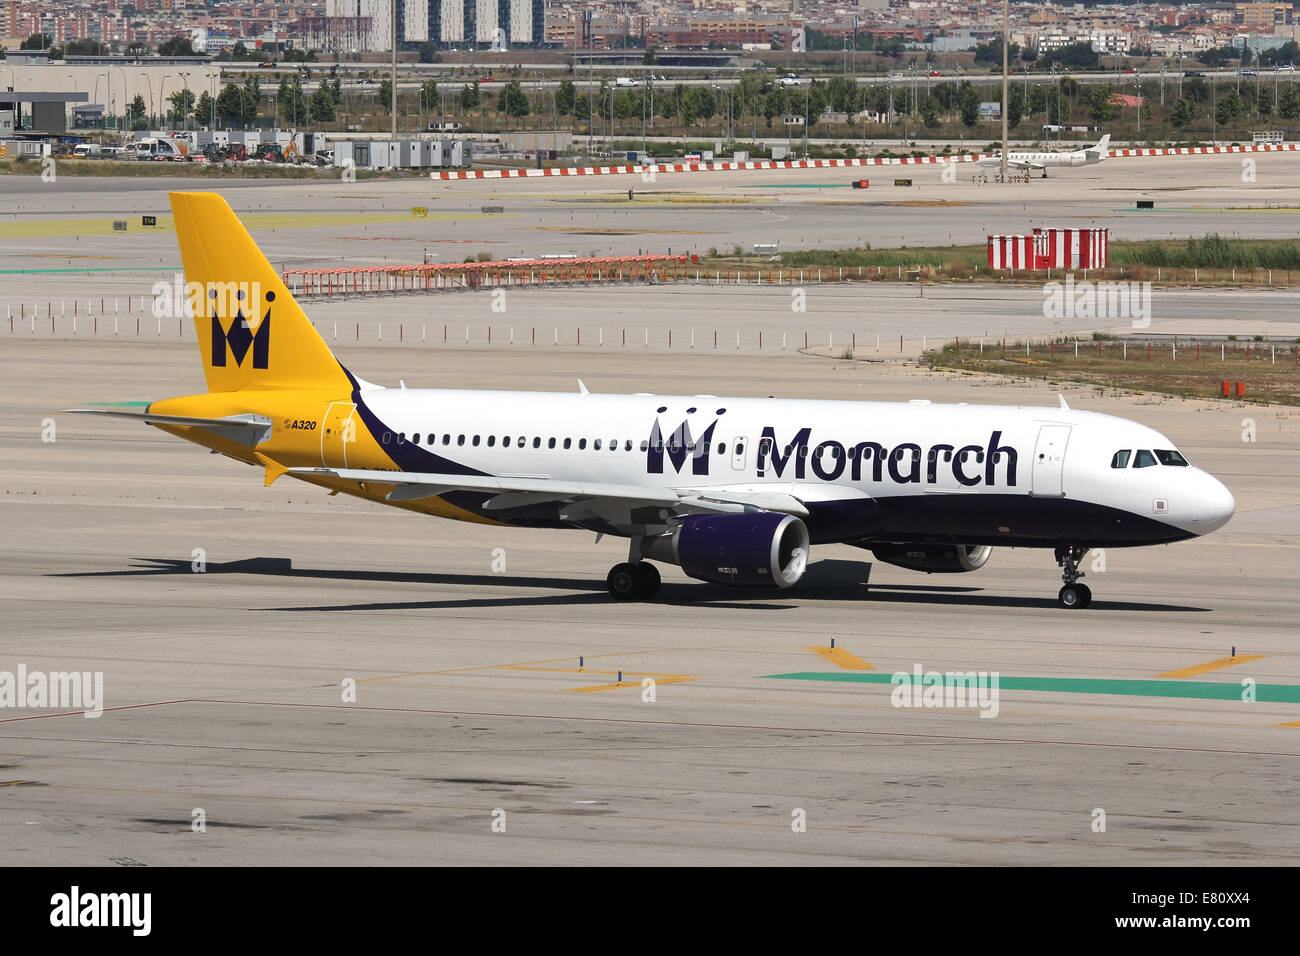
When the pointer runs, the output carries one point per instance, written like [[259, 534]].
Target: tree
[[1181, 115], [293, 106], [968, 104], [386, 94], [991, 53], [650, 58], [1037, 100], [1100, 107], [565, 97], [239, 51], [514, 101], [1288, 103], [182, 102], [1229, 108], [1015, 105], [204, 108], [321, 106], [929, 112], [230, 106], [428, 94], [176, 46], [136, 110], [470, 98]]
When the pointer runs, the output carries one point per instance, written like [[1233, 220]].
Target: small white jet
[[1088, 156]]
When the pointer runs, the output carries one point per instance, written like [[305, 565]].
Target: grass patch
[[1109, 364]]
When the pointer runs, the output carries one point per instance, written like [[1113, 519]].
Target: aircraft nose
[[1212, 505]]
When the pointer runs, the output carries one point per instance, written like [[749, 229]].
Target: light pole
[[1004, 89], [392, 80], [185, 102]]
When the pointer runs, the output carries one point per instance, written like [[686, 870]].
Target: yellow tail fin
[[252, 334]]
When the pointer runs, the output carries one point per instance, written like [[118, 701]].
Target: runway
[[59, 235], [486, 661]]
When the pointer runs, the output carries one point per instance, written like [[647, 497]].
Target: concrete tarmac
[[228, 619]]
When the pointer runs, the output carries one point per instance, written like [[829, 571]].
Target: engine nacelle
[[753, 550], [934, 558]]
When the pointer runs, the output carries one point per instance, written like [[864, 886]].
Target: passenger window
[[386, 437], [1121, 459], [582, 444], [722, 448], [446, 439], [550, 443], [645, 445], [595, 445], [401, 437], [460, 439], [740, 448], [1144, 459], [505, 442], [416, 438], [492, 440], [475, 441], [1171, 457], [537, 443], [568, 443]]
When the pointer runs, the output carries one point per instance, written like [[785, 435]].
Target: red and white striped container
[[1050, 249]]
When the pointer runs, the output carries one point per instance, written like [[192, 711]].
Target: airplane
[[734, 491], [1088, 156]]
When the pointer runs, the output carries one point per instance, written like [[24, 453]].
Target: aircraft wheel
[[649, 580], [624, 582], [1071, 597], [1085, 594]]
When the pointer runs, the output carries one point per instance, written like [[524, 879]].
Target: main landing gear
[[1073, 595], [634, 579]]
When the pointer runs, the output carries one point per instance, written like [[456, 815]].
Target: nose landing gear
[[1072, 595]]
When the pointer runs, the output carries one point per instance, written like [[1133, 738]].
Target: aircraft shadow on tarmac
[[826, 580]]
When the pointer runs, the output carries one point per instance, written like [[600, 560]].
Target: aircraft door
[[1049, 461], [339, 430]]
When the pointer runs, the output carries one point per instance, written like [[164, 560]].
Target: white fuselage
[[896, 471]]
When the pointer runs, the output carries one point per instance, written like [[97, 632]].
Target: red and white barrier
[[760, 164], [703, 167], [1012, 252]]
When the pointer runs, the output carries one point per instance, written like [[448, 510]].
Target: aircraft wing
[[579, 499], [1024, 164]]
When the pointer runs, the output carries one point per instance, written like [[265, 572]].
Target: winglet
[[582, 389], [1064, 407], [273, 468]]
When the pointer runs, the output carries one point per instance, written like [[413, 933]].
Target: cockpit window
[[1168, 456], [1144, 459], [1121, 459]]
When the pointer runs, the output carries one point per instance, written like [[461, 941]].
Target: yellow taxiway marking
[[1208, 666], [843, 659], [632, 679], [1294, 723]]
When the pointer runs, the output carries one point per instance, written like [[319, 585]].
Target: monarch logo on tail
[[240, 338]]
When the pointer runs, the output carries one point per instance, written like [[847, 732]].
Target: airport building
[[365, 26]]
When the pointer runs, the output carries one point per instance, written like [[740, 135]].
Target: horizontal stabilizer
[[246, 429]]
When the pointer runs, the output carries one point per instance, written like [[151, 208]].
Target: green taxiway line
[[1199, 690]]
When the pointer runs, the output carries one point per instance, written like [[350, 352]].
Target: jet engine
[[934, 558], [759, 549]]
